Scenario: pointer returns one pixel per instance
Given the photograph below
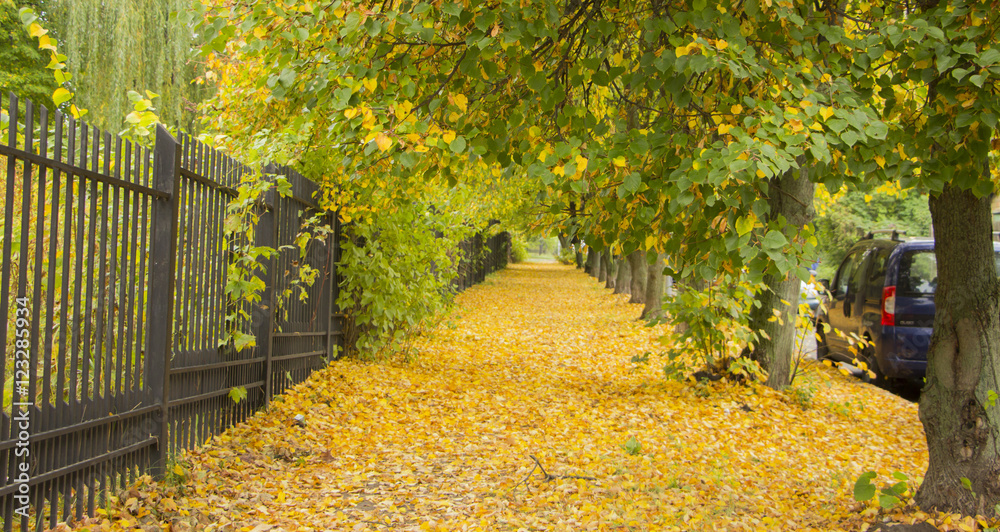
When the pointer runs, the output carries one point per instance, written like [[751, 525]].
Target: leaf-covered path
[[536, 363]]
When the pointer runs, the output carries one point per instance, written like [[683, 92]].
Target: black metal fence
[[114, 274]]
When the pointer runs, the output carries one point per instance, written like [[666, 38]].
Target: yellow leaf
[[448, 137], [581, 164], [46, 43], [403, 110], [619, 161], [35, 30], [650, 241], [868, 198], [826, 112], [462, 102], [724, 128], [880, 161], [350, 113], [682, 50], [383, 141], [761, 174], [736, 109], [559, 170], [369, 84], [721, 44]]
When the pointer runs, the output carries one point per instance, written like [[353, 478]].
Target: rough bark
[[611, 264], [624, 276], [588, 267], [791, 196], [653, 304], [637, 263], [963, 361], [579, 257], [602, 270]]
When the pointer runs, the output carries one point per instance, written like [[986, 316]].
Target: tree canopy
[[693, 129]]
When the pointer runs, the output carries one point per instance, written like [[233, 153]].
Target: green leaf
[[877, 130], [27, 15], [864, 490], [743, 225], [966, 483], [774, 240], [850, 137], [887, 502], [989, 57], [284, 186], [632, 182], [237, 394], [457, 145]]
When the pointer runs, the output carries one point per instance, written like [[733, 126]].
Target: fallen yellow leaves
[[536, 362]]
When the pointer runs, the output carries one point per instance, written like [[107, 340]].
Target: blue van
[[882, 293]]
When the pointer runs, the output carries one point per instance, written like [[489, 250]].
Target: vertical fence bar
[[265, 310], [162, 254]]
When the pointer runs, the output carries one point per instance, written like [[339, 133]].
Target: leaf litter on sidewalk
[[523, 410]]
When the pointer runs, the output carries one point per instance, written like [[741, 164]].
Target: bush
[[567, 256], [518, 252], [388, 291]]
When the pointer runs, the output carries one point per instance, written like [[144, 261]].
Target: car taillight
[[889, 306]]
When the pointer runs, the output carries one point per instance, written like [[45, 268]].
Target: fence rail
[[113, 283]]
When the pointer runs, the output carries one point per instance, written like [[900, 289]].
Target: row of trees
[[682, 131]]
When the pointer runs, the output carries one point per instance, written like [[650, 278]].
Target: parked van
[[883, 292]]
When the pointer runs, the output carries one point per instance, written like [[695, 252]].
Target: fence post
[[332, 310], [160, 297], [264, 328]]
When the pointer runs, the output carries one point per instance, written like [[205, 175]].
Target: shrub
[[567, 256], [518, 252], [387, 290]]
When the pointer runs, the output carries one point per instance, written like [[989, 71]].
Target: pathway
[[534, 364]]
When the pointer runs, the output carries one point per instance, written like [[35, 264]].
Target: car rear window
[[918, 272]]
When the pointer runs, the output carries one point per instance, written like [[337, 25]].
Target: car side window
[[876, 279], [861, 262], [845, 273]]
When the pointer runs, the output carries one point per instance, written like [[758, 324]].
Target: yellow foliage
[[533, 365]]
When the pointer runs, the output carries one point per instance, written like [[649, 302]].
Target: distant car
[[883, 292]]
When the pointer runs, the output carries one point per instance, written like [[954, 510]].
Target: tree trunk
[[588, 267], [653, 306], [963, 361], [791, 196], [611, 263], [637, 263], [579, 257], [624, 276], [595, 264], [602, 270]]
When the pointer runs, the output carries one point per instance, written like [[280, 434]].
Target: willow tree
[[114, 46]]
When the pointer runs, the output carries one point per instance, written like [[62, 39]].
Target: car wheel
[[822, 350], [868, 355]]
